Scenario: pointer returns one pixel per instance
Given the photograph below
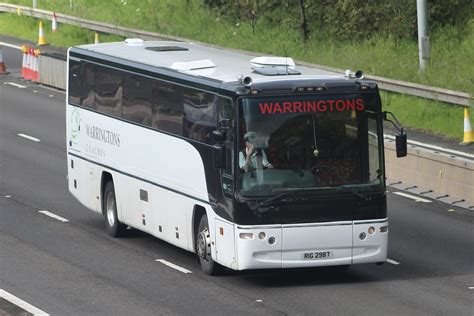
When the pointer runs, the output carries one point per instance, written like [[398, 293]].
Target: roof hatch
[[273, 66], [193, 65], [166, 48], [134, 41]]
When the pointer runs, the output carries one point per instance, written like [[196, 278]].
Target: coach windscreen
[[319, 142]]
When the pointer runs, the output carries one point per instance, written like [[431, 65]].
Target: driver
[[252, 158]]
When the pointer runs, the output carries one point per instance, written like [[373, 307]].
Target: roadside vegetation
[[379, 39]]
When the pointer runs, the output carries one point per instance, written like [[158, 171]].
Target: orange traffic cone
[[54, 22], [41, 38], [468, 133], [24, 62], [35, 70], [3, 68], [29, 64]]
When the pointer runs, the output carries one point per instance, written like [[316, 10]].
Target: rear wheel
[[112, 225], [203, 248]]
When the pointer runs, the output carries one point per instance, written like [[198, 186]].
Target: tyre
[[109, 206], [203, 248]]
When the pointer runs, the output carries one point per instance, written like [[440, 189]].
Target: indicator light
[[371, 230], [262, 235]]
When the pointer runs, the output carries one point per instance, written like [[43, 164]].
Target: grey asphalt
[[75, 268]]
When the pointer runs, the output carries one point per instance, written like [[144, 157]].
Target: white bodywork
[[175, 184]]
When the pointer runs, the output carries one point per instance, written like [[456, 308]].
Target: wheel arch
[[105, 178], [198, 212]]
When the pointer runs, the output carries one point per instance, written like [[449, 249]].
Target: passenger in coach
[[253, 158]]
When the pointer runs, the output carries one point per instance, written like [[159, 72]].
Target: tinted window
[[200, 114], [137, 95], [108, 90], [74, 82], [167, 100], [87, 89]]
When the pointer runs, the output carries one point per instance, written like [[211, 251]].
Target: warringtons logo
[[75, 123]]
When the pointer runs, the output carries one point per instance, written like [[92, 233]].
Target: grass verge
[[434, 117]]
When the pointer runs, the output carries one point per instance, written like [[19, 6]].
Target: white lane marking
[[10, 45], [470, 287], [258, 301], [15, 85], [8, 196], [172, 265], [29, 137], [22, 304], [391, 261], [59, 218], [413, 197], [434, 147]]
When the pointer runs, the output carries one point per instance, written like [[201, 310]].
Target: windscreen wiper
[[281, 194], [349, 189]]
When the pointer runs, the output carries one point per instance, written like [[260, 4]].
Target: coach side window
[[226, 113], [74, 82], [200, 115], [108, 91], [87, 88], [137, 95], [167, 102]]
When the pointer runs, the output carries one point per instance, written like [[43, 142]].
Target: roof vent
[[134, 41], [166, 48], [273, 66], [193, 65]]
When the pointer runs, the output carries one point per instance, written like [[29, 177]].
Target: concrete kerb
[[442, 176]]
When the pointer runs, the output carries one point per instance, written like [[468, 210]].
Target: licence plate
[[317, 255]]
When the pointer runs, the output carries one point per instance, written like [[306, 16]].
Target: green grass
[[383, 56], [451, 49], [433, 117]]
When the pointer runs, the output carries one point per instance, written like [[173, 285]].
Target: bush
[[349, 19]]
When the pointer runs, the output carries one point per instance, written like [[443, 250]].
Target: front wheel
[[112, 225], [203, 248]]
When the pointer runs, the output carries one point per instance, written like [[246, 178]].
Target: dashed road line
[[413, 197], [15, 85], [29, 137], [22, 304], [59, 218], [470, 287], [172, 265], [391, 261]]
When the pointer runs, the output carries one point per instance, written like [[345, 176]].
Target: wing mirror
[[400, 138]]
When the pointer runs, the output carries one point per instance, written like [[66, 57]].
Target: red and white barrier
[[35, 66], [24, 63], [28, 62]]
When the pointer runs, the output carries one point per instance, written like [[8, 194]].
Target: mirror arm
[[396, 124]]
